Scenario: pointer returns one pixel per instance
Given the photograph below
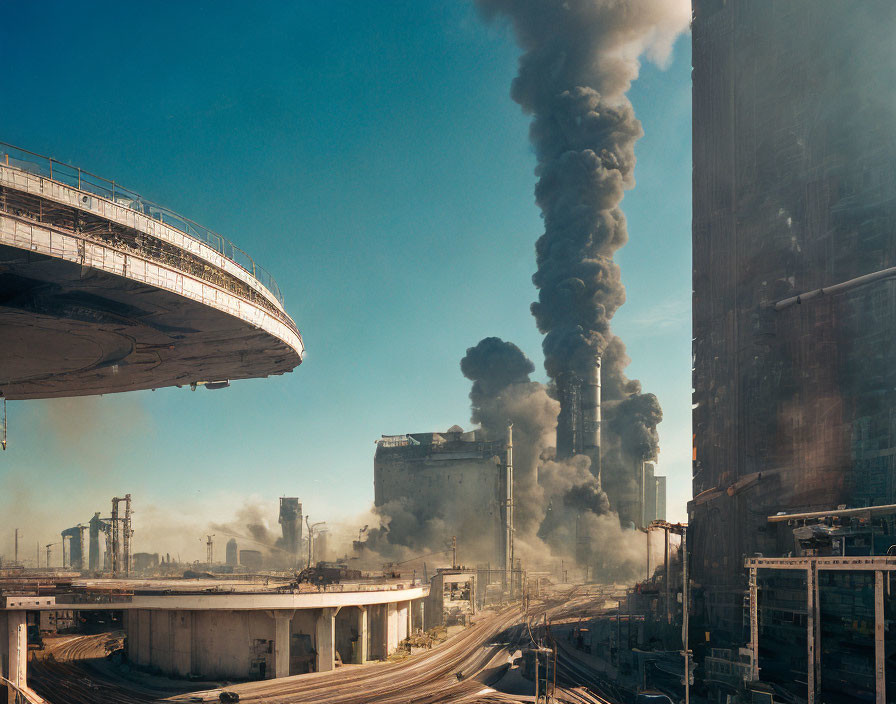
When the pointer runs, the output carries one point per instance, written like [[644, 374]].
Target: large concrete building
[[794, 186], [102, 290], [451, 481]]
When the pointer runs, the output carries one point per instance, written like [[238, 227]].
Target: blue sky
[[370, 157]]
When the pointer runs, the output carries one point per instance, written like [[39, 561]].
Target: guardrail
[[48, 167]]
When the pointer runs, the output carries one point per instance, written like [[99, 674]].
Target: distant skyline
[[370, 157]]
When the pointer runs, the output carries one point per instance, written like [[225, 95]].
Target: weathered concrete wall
[[243, 644], [463, 493], [211, 643]]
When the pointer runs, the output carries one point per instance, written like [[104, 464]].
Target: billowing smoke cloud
[[502, 393], [580, 58]]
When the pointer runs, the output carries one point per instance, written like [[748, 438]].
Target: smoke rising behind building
[[578, 61]]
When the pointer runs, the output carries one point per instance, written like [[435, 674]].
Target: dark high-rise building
[[291, 525], [794, 185]]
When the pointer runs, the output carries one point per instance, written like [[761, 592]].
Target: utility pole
[[17, 547], [209, 549], [311, 527], [454, 552]]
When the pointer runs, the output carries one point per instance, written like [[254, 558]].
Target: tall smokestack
[[579, 59], [569, 422], [508, 511], [591, 417]]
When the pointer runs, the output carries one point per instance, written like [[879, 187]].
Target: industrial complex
[[534, 557]]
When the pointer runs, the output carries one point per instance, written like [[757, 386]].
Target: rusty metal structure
[[794, 303]]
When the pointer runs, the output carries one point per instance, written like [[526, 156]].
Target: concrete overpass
[[253, 634], [102, 290]]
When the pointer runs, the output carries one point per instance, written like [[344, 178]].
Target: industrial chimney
[[507, 548], [569, 437], [591, 417], [578, 425]]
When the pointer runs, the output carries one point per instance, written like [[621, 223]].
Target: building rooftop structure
[[102, 291], [447, 484]]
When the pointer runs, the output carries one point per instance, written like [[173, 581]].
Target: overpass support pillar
[[325, 639], [393, 614], [282, 622], [360, 653], [416, 615], [17, 652]]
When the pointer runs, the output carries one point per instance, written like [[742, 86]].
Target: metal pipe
[[888, 508], [836, 288]]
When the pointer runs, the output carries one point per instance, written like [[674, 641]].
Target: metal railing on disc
[[75, 177]]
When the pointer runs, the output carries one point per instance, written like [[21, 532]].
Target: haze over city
[[372, 159], [477, 352]]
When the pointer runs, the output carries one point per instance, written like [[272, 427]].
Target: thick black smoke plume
[[579, 59]]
